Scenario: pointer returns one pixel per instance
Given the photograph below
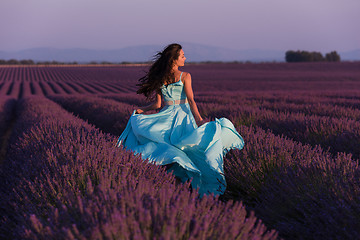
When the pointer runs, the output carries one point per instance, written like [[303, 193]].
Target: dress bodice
[[173, 91]]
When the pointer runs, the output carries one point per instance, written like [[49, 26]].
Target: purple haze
[[321, 25]]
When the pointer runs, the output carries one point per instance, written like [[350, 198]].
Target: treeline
[[32, 62], [304, 56], [290, 56]]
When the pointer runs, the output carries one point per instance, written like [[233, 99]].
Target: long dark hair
[[159, 72]]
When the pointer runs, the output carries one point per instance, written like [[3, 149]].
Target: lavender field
[[296, 178]]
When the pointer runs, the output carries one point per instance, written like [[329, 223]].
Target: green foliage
[[304, 56], [332, 57]]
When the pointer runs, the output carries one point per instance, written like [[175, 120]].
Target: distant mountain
[[81, 55], [198, 52], [350, 55], [193, 52], [143, 53]]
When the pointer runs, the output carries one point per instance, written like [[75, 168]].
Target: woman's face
[[181, 59]]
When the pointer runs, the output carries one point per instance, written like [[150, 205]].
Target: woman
[[172, 137]]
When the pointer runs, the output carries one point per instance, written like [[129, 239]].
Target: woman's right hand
[[138, 111]]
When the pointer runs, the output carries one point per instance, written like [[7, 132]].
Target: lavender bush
[[129, 98], [301, 191], [14, 89], [7, 107], [25, 89], [337, 134], [36, 89], [56, 88], [109, 115], [5, 87], [65, 179], [269, 158]]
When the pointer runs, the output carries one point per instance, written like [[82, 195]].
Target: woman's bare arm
[[190, 97], [152, 106]]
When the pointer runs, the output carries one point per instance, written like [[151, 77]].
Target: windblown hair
[[160, 71]]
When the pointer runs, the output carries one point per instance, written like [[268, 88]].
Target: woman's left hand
[[200, 121], [205, 120]]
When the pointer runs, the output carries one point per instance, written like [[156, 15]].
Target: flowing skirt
[[171, 136]]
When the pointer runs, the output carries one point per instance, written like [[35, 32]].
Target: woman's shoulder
[[185, 76]]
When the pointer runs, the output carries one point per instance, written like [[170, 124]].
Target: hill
[[194, 53]]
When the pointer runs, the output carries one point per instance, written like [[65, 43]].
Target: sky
[[311, 25]]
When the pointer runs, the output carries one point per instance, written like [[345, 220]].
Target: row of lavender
[[7, 105], [275, 179], [330, 121], [35, 80], [315, 121], [22, 82], [312, 179], [64, 179], [68, 73], [300, 190], [211, 72], [21, 89]]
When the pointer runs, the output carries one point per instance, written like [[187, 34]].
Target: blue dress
[[172, 136]]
